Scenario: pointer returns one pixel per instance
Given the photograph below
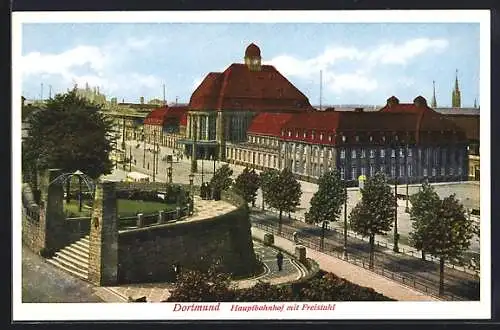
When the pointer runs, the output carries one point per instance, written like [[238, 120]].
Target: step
[[84, 245], [78, 250], [85, 240], [81, 247], [71, 265], [71, 271], [73, 258]]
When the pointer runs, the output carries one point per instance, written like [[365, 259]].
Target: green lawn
[[126, 208]]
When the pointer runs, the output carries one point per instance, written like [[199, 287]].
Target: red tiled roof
[[381, 126], [160, 115], [269, 123], [238, 88]]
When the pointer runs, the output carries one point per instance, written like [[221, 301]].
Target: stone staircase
[[74, 258]]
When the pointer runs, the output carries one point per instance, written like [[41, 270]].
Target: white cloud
[[98, 66], [403, 53], [360, 72]]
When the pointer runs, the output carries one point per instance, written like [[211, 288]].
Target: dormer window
[[296, 134], [289, 133], [305, 134], [344, 138], [282, 132], [371, 138], [321, 136], [330, 138]]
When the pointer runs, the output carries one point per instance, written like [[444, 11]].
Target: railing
[[153, 219], [407, 251], [337, 252]]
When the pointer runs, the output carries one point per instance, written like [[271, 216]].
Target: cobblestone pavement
[[44, 283], [157, 292]]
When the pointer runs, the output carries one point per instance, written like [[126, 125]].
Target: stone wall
[[148, 254]]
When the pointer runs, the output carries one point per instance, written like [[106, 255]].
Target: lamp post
[[191, 179], [144, 150], [407, 208], [130, 160], [345, 221], [396, 235], [170, 169], [202, 158]]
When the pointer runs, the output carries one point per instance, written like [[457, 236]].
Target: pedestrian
[[279, 260], [295, 237]]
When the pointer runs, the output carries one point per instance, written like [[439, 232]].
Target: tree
[[207, 286], [374, 214], [221, 180], [70, 134], [425, 204], [266, 178], [247, 183], [326, 203], [283, 193], [444, 230]]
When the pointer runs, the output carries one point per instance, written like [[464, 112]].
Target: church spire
[[455, 96], [433, 102]]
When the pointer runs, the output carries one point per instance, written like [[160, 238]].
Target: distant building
[[166, 125]]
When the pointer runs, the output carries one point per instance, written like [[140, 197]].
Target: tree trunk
[[262, 200], [68, 186], [372, 249], [423, 255], [280, 221], [441, 276]]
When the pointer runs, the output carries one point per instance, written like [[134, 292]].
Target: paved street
[[425, 272], [44, 283]]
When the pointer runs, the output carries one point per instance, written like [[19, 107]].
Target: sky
[[362, 64]]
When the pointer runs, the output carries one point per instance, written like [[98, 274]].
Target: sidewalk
[[352, 273]]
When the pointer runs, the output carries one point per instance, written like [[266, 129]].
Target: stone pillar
[[52, 211], [268, 239], [300, 253], [140, 220], [103, 250], [161, 217], [220, 135]]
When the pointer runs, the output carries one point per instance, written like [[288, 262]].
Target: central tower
[[252, 57]]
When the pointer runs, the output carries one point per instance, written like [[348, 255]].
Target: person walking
[[279, 260]]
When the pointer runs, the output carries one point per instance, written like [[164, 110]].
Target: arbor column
[[103, 249]]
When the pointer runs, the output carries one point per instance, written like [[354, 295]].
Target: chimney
[[420, 102], [392, 101], [358, 110], [142, 99]]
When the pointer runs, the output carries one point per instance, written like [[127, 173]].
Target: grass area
[[126, 208]]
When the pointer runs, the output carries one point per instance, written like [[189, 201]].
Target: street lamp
[[191, 179], [202, 158], [396, 235], [407, 209], [345, 221], [323, 229]]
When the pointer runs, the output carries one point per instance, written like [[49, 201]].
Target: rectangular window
[[353, 154], [401, 170], [443, 171], [433, 171], [425, 172], [274, 161], [372, 153], [459, 170], [393, 171], [401, 153], [393, 153], [410, 170], [382, 153], [342, 153], [409, 152], [363, 154], [452, 171], [354, 173], [342, 173], [363, 170], [372, 170]]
